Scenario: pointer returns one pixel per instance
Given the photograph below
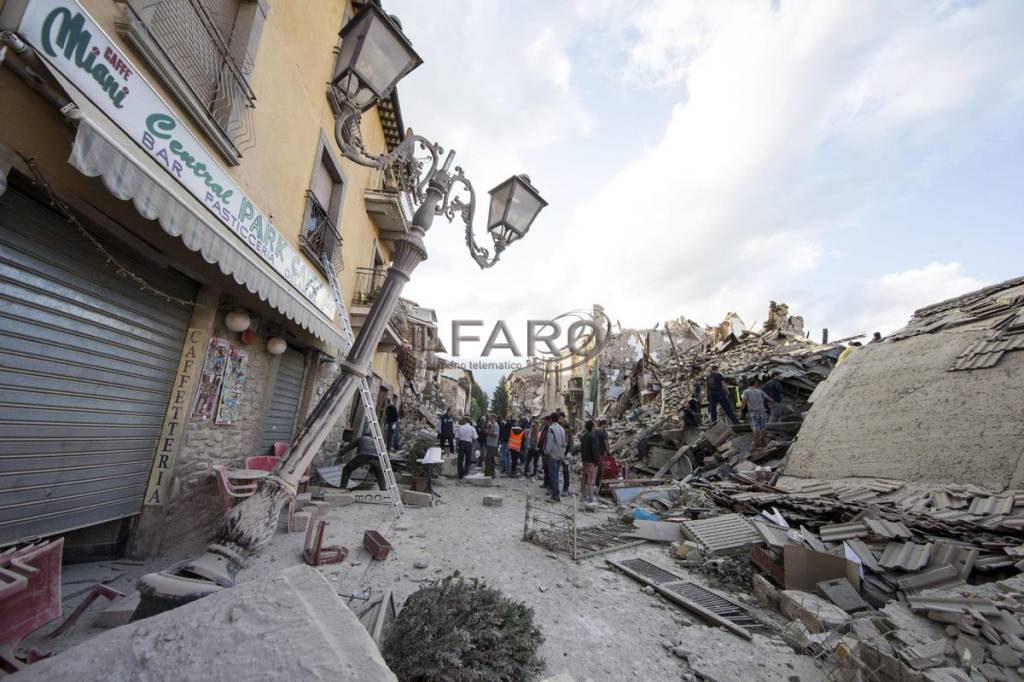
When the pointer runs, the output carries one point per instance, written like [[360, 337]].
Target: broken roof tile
[[990, 506], [888, 529], [843, 531], [905, 555], [942, 577], [725, 534], [864, 553]]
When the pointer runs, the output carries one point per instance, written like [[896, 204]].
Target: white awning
[[102, 150]]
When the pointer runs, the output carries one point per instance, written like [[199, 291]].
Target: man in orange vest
[[515, 448]]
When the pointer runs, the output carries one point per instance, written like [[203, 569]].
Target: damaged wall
[[893, 410]]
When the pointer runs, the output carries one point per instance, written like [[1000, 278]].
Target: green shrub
[[459, 630]]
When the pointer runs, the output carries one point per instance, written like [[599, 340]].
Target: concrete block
[[118, 613], [300, 521], [450, 467], [765, 593], [493, 500], [415, 499], [319, 507], [302, 499], [811, 610], [481, 481], [339, 499]]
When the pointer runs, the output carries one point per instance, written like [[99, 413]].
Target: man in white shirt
[[465, 434], [554, 448], [756, 403]]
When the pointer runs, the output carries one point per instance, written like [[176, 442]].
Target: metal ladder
[[369, 408]]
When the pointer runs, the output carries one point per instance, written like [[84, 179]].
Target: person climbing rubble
[[718, 395], [755, 402]]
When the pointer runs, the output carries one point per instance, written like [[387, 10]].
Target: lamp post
[[374, 56]]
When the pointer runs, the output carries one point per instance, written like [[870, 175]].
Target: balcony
[[320, 236], [390, 209], [368, 284]]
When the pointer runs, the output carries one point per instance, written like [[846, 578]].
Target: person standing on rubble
[[493, 432], [755, 402], [555, 449], [718, 395], [773, 389], [465, 434], [590, 453], [446, 431], [391, 418]]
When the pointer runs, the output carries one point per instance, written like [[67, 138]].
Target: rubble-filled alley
[[703, 558], [288, 391]]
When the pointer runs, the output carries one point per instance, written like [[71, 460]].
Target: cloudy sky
[[854, 159]]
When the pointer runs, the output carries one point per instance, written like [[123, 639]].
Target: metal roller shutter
[[87, 361], [284, 400]]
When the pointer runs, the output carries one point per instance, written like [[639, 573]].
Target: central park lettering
[[161, 125]]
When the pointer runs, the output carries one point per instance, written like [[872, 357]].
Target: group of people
[[543, 446], [762, 405]]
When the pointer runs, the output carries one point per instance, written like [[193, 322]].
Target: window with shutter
[[204, 51]]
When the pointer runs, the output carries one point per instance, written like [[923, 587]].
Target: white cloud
[[887, 302], [791, 122]]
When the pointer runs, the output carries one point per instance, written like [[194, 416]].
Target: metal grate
[[699, 600], [196, 37]]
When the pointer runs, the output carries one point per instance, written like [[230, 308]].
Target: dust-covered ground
[[597, 623]]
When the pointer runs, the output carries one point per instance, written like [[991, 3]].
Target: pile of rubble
[[647, 429], [884, 580]]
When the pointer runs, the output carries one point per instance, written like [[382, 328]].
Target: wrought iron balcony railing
[[320, 237], [368, 284]]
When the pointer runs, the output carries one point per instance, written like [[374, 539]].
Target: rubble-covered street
[[463, 341]]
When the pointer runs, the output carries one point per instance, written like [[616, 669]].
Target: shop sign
[[67, 37], [177, 414]]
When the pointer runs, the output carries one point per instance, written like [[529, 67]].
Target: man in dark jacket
[[391, 418], [366, 455], [446, 431], [506, 430], [718, 395], [590, 453]]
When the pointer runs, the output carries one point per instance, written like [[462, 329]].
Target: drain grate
[[699, 600]]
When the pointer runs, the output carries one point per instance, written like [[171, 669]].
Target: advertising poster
[[211, 379], [231, 392]]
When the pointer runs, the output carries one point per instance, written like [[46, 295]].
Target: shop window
[[204, 52]]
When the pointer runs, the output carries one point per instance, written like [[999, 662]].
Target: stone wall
[[892, 410], [194, 505]]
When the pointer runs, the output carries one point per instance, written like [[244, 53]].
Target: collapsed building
[[884, 515]]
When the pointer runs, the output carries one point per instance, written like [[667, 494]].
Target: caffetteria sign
[[64, 34]]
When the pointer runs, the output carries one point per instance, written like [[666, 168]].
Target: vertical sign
[[177, 413]]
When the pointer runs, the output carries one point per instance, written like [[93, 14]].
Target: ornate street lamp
[[374, 56]]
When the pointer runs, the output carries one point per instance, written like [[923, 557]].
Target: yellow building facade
[[178, 228]]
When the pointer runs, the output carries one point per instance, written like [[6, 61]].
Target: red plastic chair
[[29, 594], [228, 490], [261, 462]]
